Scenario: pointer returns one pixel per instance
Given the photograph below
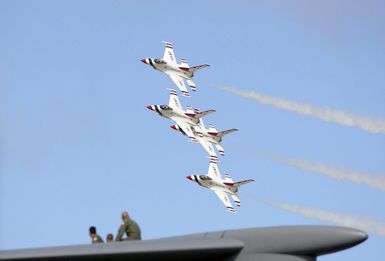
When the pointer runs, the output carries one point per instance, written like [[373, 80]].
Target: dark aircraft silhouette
[[293, 243]]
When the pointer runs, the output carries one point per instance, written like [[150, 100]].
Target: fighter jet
[[185, 119], [221, 187], [177, 72], [207, 137]]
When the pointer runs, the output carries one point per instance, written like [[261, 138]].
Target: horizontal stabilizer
[[196, 68], [203, 113], [242, 182], [191, 84], [222, 133]]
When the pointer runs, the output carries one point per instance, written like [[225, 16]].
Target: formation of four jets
[[189, 122]]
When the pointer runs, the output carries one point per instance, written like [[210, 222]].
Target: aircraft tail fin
[[228, 179], [212, 130], [184, 65], [190, 112]]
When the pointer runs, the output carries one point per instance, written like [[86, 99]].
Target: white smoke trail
[[373, 125], [377, 182], [363, 223]]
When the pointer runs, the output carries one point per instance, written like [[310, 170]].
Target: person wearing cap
[[128, 227], [94, 236], [110, 238]]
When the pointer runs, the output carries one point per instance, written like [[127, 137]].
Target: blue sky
[[78, 145]]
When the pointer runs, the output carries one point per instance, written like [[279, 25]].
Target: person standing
[[110, 238], [94, 236], [128, 227]]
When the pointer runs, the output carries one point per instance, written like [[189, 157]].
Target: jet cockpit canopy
[[165, 107], [159, 61], [204, 177]]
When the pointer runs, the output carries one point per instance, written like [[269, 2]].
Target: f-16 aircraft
[[177, 72], [207, 137], [294, 243], [221, 187], [185, 119]]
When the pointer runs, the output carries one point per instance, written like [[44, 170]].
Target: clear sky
[[78, 145]]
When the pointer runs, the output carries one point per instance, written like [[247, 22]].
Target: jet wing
[[180, 83], [225, 200], [290, 243], [203, 141], [169, 55], [206, 145], [186, 128], [146, 250]]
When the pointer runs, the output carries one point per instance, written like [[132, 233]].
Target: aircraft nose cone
[[144, 61], [189, 177], [150, 107]]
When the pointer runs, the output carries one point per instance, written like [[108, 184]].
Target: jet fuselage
[[212, 183], [197, 130], [210, 137], [172, 113], [163, 66]]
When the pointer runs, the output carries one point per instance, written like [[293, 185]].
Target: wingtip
[[172, 91], [231, 210], [168, 44]]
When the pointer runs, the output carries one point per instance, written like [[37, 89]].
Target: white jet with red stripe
[[177, 72], [207, 137], [220, 187], [186, 120]]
